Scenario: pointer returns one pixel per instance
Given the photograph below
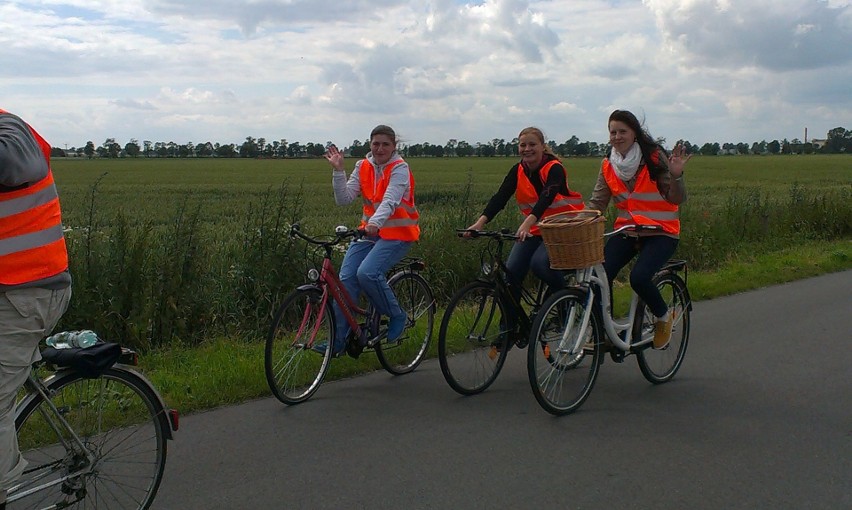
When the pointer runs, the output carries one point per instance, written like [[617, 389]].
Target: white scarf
[[626, 166]]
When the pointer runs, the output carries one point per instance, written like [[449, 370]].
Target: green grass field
[[187, 259], [154, 189]]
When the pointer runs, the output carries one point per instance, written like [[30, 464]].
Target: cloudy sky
[[329, 70]]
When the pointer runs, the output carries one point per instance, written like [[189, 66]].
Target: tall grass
[[212, 256]]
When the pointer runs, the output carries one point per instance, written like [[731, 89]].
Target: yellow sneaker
[[663, 332]]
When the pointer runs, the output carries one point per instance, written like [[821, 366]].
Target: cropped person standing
[[646, 186], [539, 183], [391, 221], [35, 285]]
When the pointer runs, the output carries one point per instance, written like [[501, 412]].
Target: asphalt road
[[759, 416]]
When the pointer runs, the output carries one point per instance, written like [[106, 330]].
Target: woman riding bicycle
[[540, 187], [390, 220], [647, 187]]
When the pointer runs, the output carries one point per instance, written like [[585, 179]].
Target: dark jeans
[[653, 252], [531, 254]]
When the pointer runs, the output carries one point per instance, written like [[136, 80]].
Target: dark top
[[547, 191]]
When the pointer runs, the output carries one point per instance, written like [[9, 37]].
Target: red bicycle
[[294, 370]]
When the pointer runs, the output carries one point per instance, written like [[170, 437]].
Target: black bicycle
[[477, 330]]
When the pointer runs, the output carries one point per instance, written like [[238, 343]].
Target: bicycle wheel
[[564, 360], [123, 427], [294, 371], [660, 365], [473, 340], [415, 297]]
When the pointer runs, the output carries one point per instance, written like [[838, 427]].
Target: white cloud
[[315, 70]]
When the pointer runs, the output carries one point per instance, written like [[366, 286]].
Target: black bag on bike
[[90, 362]]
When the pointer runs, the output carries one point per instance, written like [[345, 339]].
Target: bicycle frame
[[596, 283], [332, 286], [613, 327], [59, 425], [328, 282], [497, 275]]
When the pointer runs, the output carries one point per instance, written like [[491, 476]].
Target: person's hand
[[678, 160], [476, 226], [371, 230], [524, 230], [335, 157]]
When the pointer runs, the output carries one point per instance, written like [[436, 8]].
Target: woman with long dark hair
[[646, 186]]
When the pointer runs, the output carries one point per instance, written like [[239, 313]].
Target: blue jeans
[[654, 252], [364, 267], [531, 254]]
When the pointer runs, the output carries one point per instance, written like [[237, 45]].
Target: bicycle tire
[[563, 359], [119, 419], [660, 365], [294, 371], [473, 341], [416, 299]]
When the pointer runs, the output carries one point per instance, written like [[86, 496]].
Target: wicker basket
[[573, 239]]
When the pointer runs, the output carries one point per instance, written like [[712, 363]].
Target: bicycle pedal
[[353, 350]]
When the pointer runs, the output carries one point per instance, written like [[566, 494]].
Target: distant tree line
[[837, 141]]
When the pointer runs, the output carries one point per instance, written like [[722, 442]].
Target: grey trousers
[[26, 317]]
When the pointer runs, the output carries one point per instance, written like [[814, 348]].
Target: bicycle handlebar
[[503, 234], [341, 232], [635, 228]]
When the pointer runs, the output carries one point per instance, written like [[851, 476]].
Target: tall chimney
[[806, 135]]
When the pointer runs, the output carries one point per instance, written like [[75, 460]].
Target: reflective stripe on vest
[[644, 205], [403, 223], [527, 197], [32, 246]]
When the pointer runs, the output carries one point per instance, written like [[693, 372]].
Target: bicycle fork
[[571, 341]]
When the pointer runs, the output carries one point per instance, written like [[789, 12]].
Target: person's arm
[[670, 184], [555, 183], [601, 195], [398, 186], [346, 190], [672, 188], [498, 201], [21, 159]]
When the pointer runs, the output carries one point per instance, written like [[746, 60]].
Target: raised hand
[[678, 160], [335, 157]]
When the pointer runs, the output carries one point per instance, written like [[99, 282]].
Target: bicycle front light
[[313, 275], [486, 268]]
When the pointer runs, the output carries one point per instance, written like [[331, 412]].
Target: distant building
[[818, 144]]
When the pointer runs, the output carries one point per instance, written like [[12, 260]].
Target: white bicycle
[[574, 332]]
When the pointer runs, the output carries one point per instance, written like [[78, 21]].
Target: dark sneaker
[[323, 346], [396, 325]]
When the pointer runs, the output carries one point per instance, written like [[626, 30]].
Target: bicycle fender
[[164, 410], [47, 381], [685, 289], [309, 286]]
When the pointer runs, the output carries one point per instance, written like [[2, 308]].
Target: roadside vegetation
[[186, 260]]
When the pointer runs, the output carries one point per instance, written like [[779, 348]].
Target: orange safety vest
[[642, 206], [527, 197], [402, 224], [32, 246]]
